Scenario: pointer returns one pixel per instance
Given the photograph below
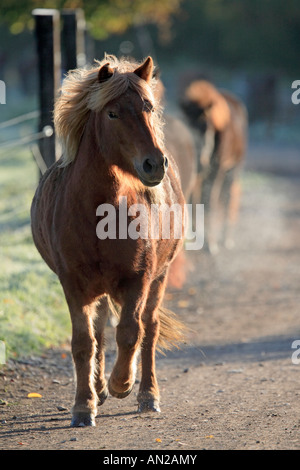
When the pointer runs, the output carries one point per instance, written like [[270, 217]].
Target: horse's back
[[238, 125], [180, 143]]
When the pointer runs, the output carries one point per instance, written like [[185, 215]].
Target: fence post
[[47, 31], [73, 39]]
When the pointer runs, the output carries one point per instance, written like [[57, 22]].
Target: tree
[[104, 17]]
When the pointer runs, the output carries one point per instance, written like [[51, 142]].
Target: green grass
[[33, 311]]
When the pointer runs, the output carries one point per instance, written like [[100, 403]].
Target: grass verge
[[33, 311]]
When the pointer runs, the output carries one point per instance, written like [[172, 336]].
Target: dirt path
[[232, 386]]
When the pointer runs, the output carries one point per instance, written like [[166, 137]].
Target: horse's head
[[207, 110], [205, 106], [129, 133]]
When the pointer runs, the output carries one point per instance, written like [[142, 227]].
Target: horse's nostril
[[147, 166]]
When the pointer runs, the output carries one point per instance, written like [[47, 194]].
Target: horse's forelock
[[116, 86]]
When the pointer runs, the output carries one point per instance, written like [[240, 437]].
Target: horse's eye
[[112, 115], [148, 107]]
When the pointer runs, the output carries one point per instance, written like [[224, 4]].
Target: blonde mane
[[81, 93]]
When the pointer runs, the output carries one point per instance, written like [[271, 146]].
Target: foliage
[[235, 33], [240, 32], [103, 16]]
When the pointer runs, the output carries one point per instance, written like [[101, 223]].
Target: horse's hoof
[[80, 420], [116, 394], [102, 396], [149, 405]]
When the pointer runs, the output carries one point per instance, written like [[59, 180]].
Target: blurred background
[[250, 47]]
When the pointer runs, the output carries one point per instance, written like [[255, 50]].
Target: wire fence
[[30, 139], [19, 119]]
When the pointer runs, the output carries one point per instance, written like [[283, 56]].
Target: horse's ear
[[219, 113], [145, 70], [105, 73]]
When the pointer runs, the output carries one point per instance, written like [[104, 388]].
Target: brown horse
[[113, 150], [221, 119], [180, 143]]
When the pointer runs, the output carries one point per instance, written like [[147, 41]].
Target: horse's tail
[[172, 330]]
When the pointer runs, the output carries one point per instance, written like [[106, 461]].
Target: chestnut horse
[[221, 121], [113, 147], [180, 142]]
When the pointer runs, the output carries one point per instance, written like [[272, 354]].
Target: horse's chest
[[129, 257]]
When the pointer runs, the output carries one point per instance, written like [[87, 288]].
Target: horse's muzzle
[[151, 171]]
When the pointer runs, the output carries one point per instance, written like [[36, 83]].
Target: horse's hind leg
[[129, 337], [232, 213], [83, 351], [214, 216], [148, 396], [99, 326]]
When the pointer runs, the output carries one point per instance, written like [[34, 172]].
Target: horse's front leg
[[148, 396], [129, 338], [83, 351], [99, 326]]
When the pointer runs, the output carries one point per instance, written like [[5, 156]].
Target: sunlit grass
[[33, 312]]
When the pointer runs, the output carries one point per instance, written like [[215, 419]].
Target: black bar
[[73, 39], [47, 31]]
